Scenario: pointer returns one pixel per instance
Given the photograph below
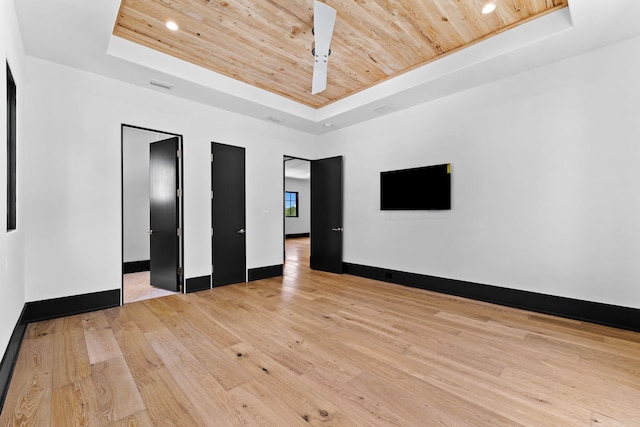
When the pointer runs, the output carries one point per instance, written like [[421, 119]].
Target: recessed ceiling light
[[489, 7], [172, 26], [328, 125]]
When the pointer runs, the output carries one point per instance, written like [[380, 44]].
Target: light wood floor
[[323, 349]]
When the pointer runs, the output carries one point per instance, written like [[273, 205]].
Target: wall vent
[[161, 84], [275, 119], [383, 109]]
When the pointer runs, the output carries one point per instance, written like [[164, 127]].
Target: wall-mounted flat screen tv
[[423, 188]]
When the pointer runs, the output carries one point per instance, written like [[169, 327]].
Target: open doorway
[[313, 203], [297, 209], [151, 221]]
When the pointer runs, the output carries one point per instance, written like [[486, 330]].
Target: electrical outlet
[[265, 213]]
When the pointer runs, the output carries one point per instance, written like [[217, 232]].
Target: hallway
[[296, 255]]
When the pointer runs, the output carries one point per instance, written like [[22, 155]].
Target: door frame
[[180, 203]]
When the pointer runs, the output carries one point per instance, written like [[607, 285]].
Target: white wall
[[12, 244], [72, 170], [301, 224], [135, 175], [545, 181]]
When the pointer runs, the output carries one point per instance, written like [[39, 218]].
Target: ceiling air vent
[[161, 84], [383, 109]]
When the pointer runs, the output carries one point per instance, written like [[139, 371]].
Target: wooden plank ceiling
[[267, 43]]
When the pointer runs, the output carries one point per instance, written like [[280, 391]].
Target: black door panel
[[228, 210], [326, 215], [164, 217]]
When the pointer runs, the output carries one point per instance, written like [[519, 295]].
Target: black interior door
[[164, 214], [326, 215], [228, 211]]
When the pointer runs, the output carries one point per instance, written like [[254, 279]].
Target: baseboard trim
[[11, 357], [588, 311], [136, 266], [265, 272], [195, 284], [36, 311], [296, 235]]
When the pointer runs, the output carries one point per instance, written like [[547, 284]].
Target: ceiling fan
[[324, 18]]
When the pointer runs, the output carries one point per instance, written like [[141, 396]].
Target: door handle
[[150, 232], [337, 229], [241, 231]]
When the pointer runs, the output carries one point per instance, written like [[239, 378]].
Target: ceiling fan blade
[[324, 18], [319, 82]]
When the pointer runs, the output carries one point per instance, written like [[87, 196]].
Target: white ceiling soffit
[[408, 89], [78, 33]]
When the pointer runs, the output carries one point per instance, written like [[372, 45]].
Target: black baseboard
[[136, 266], [67, 306], [588, 311], [11, 356], [265, 272], [195, 284], [296, 235]]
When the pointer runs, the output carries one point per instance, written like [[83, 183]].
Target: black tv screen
[[424, 188]]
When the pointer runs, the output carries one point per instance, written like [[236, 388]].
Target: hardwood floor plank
[[197, 314], [621, 369], [42, 328], [28, 402], [379, 394], [76, 404], [101, 344], [599, 420], [620, 398], [143, 317], [279, 347], [493, 394], [332, 387], [264, 407], [141, 358], [581, 398], [165, 402], [70, 352], [315, 345], [160, 308], [471, 323], [220, 365], [198, 387], [291, 390], [116, 390], [456, 350], [421, 377], [322, 349], [139, 419]]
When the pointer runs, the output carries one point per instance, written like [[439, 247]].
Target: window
[[291, 203], [11, 151]]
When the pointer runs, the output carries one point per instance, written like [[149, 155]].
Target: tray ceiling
[[268, 43]]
